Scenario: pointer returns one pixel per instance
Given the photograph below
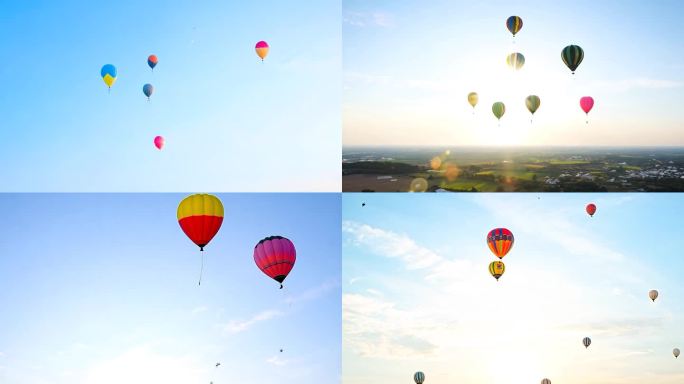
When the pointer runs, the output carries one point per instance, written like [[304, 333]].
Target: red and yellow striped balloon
[[500, 241], [200, 216]]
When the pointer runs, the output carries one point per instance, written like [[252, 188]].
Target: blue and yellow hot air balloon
[[108, 73]]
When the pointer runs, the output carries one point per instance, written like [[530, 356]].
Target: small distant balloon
[[515, 60], [472, 99], [546, 381], [586, 342], [572, 56], [532, 102], [587, 103], [108, 73], [591, 209], [159, 142], [514, 24], [497, 269], [262, 49], [498, 109], [419, 377], [675, 352], [148, 89], [152, 61], [653, 295]]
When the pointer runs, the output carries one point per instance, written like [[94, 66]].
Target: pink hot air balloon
[[587, 103], [159, 142]]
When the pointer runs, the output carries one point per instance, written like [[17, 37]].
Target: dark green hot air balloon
[[572, 56]]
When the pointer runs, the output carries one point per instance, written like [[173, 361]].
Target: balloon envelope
[[515, 60], [514, 24], [497, 269], [261, 49], [546, 381], [591, 209], [653, 294], [108, 73], [159, 142], [472, 98], [152, 61], [587, 103], [586, 342], [500, 241], [675, 352], [498, 109], [148, 89], [572, 56], [532, 102], [275, 256], [419, 377], [200, 217]]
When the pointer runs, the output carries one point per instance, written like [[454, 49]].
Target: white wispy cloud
[[368, 19], [198, 310], [237, 326], [275, 360]]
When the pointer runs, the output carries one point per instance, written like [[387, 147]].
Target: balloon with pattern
[[514, 24], [419, 377], [586, 342], [275, 256], [500, 241], [108, 73], [532, 102], [572, 56], [498, 109], [515, 60], [497, 269]]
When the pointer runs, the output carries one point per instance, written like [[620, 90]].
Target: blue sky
[[103, 288], [417, 294], [231, 123], [409, 66]]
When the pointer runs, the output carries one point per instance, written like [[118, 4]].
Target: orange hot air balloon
[[200, 216], [261, 49], [500, 241]]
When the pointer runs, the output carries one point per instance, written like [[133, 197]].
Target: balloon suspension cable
[[109, 90], [202, 267]]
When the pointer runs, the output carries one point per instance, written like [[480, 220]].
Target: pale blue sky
[[417, 294], [103, 289], [231, 122], [409, 66]]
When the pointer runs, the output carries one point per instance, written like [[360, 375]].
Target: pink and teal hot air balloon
[[587, 103]]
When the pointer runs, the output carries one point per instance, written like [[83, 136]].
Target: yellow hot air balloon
[[472, 99], [497, 269], [515, 60]]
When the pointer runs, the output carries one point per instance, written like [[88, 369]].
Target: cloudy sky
[[409, 66], [417, 294], [103, 289]]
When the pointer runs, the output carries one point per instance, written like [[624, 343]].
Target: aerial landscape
[[475, 169], [512, 97]]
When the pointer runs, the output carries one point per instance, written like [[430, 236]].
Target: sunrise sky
[[409, 65], [417, 294]]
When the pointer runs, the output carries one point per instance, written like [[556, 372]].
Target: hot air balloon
[[500, 241], [152, 61], [261, 49], [148, 89], [675, 352], [472, 100], [497, 269], [572, 56], [275, 256], [498, 109], [587, 103], [586, 342], [653, 295], [532, 102], [159, 142], [546, 381], [514, 24], [200, 217], [515, 60], [419, 377], [108, 73], [591, 209]]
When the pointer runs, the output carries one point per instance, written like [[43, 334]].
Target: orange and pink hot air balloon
[[159, 142], [261, 49], [587, 103]]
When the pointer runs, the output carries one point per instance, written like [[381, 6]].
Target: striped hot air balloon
[[532, 102], [419, 377], [497, 269], [500, 241], [572, 56], [275, 256], [514, 24], [515, 60], [586, 342]]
